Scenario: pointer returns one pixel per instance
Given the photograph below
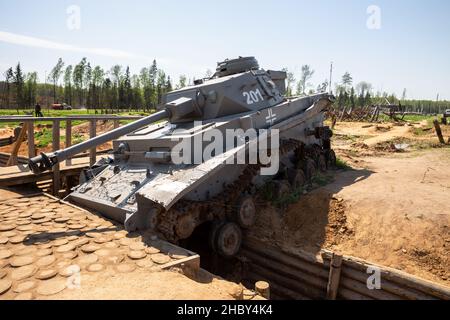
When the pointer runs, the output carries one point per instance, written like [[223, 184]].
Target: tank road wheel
[[216, 225], [310, 168], [296, 178], [185, 226], [282, 187], [245, 212], [331, 159], [322, 163], [228, 239]]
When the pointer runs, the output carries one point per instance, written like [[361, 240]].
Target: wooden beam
[[334, 276], [68, 139], [13, 158], [92, 134], [31, 146], [55, 146], [438, 131]]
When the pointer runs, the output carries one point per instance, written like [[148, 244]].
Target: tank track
[[221, 206]]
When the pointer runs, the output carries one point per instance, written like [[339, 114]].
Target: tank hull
[[135, 189]]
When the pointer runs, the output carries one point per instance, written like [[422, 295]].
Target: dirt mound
[[317, 220], [393, 211]]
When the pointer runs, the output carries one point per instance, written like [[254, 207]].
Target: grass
[[341, 164], [63, 113], [267, 191]]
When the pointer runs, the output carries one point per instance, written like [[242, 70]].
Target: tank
[[144, 185]]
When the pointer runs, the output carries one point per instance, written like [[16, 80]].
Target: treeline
[[92, 87], [84, 85]]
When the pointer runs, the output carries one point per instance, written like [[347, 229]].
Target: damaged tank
[[143, 185]]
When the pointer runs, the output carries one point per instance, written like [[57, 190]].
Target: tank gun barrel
[[45, 162]]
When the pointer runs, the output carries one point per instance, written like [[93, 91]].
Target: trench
[[236, 269]]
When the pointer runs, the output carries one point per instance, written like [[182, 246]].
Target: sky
[[391, 44]]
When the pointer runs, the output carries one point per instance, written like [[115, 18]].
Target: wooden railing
[[27, 133]]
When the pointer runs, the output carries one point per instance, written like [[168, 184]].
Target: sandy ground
[[392, 208]]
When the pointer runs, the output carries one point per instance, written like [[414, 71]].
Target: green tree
[[78, 80], [31, 88], [116, 73], [19, 86], [68, 84], [54, 76], [182, 82], [96, 85], [160, 85], [305, 76], [153, 74], [137, 98], [9, 78], [347, 80], [290, 79], [128, 93]]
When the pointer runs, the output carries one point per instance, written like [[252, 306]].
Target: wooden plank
[[92, 134], [334, 277], [13, 158], [31, 145], [68, 139], [55, 146]]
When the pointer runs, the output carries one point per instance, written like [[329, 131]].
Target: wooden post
[[438, 131], [31, 146], [116, 124], [13, 158], [92, 134], [68, 139], [55, 146], [263, 289], [334, 276]]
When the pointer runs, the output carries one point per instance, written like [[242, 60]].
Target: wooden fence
[[301, 275], [27, 133]]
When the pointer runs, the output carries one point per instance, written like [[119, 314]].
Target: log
[[68, 139], [398, 277], [56, 142], [406, 293], [361, 288], [292, 273], [13, 158], [264, 248], [263, 289], [31, 146], [334, 277], [277, 278], [92, 134], [301, 262], [438, 131]]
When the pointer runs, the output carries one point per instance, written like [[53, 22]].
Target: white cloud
[[22, 40]]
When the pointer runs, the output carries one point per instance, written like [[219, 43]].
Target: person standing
[[37, 110]]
